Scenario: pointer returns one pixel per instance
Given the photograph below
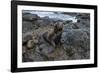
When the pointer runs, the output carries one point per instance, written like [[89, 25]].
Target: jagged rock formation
[[71, 43]]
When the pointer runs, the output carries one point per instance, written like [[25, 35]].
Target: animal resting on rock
[[53, 37]]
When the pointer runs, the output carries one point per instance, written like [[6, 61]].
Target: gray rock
[[27, 26], [76, 42], [75, 36], [43, 22], [38, 57], [45, 49], [28, 56], [30, 17], [27, 36], [81, 24], [68, 21], [84, 16], [70, 26], [46, 17], [62, 55]]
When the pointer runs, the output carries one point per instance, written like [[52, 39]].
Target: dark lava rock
[[43, 22], [76, 42], [69, 21], [46, 17], [83, 16], [27, 26], [75, 39], [71, 26], [44, 48], [81, 24], [28, 56], [75, 36], [27, 36], [30, 17], [39, 57]]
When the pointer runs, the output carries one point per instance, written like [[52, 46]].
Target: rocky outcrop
[[76, 41], [30, 17], [74, 38]]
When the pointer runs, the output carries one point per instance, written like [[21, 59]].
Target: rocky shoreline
[[74, 38]]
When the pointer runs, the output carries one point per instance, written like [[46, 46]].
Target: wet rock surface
[[73, 42]]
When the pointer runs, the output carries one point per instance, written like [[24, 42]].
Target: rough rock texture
[[30, 17], [74, 39], [76, 42]]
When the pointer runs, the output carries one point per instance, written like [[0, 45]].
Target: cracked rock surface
[[73, 43]]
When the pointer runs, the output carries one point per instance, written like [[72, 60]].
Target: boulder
[[68, 21], [45, 48], [30, 17], [39, 57], [71, 26], [75, 36], [43, 22], [27, 26], [76, 42], [28, 56], [27, 36]]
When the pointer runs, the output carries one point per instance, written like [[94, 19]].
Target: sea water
[[54, 15]]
